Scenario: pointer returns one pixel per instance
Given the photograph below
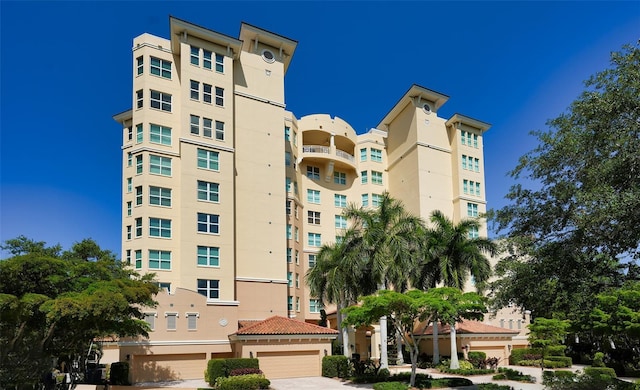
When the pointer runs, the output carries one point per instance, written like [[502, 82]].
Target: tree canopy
[[54, 303]]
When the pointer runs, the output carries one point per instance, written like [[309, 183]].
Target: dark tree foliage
[[573, 232], [54, 304]]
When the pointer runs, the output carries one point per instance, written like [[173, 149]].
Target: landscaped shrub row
[[564, 359], [513, 375], [245, 371], [423, 381], [390, 386], [493, 386], [243, 382], [518, 354], [221, 368], [337, 366], [600, 372], [464, 372], [547, 363], [592, 380]]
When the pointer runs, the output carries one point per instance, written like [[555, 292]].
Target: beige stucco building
[[227, 196]]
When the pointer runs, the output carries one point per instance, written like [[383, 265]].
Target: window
[[209, 288], [295, 188], [313, 196], [297, 257], [139, 98], [160, 134], [287, 133], [164, 286], [138, 195], [295, 138], [339, 239], [160, 165], [150, 319], [473, 232], [297, 280], [139, 164], [206, 59], [341, 222], [161, 101], [172, 320], [208, 223], [139, 65], [129, 209], [129, 159], [159, 259], [297, 234], [128, 257], [219, 63], [287, 185], [376, 177], [313, 173], [290, 303], [209, 256], [129, 184], [289, 256], [340, 178], [475, 141], [477, 189], [206, 127], [219, 96], [471, 187], [476, 164], [290, 279], [159, 196], [314, 306], [312, 260], [220, 131], [138, 255], [192, 321], [364, 177], [128, 232], [340, 200], [314, 239], [206, 93], [195, 55], [161, 67], [465, 186], [289, 232], [160, 227], [464, 161], [208, 191], [376, 155], [195, 124], [365, 200], [313, 217], [363, 154], [208, 159], [376, 200], [472, 210], [287, 158], [297, 304], [288, 207], [139, 133], [138, 227], [129, 133], [195, 90]]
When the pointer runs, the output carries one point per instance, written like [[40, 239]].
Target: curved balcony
[[325, 153]]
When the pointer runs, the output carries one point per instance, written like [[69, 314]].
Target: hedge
[[476, 355], [547, 363], [555, 350], [243, 382], [390, 386], [518, 354], [221, 368], [565, 359], [600, 372], [337, 366], [119, 374]]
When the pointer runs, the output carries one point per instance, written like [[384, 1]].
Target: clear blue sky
[[66, 70]]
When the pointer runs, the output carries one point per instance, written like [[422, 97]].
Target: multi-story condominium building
[[228, 195]]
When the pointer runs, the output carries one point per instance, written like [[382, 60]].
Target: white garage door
[[290, 364], [152, 368]]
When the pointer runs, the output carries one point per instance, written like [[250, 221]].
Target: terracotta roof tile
[[467, 326], [283, 326]]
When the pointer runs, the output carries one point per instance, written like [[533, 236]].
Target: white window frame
[[211, 258], [159, 227], [208, 289], [160, 164], [160, 67], [313, 196], [208, 191], [159, 134], [161, 261], [313, 217], [208, 159], [161, 99], [211, 223]]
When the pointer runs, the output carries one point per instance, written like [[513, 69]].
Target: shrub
[[422, 380], [600, 372], [245, 371], [555, 350], [232, 364], [215, 369], [477, 355], [390, 386], [518, 354], [499, 377], [448, 382], [514, 375], [532, 356], [120, 373], [467, 372], [566, 360], [243, 382], [337, 366], [598, 360], [493, 386]]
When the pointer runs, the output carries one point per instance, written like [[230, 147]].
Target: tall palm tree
[[450, 255], [386, 244], [335, 279]]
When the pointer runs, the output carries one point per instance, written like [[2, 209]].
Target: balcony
[[341, 158]]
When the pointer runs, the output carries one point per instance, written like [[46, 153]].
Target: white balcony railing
[[345, 155]]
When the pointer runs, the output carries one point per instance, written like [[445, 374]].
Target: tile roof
[[278, 325], [466, 326]]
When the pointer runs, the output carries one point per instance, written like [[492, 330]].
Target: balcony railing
[[345, 155], [316, 149]]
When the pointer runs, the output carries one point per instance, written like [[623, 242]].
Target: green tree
[[617, 315], [54, 306], [387, 242], [450, 256], [412, 308], [546, 332]]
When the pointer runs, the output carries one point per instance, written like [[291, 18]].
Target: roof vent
[[426, 108], [268, 56]]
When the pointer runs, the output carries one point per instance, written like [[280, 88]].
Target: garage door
[[152, 368], [290, 364]]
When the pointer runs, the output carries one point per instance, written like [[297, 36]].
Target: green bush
[[390, 386], [566, 380], [216, 368], [600, 372], [337, 366], [547, 363], [448, 382], [565, 359], [518, 354], [243, 382], [555, 350], [232, 364], [598, 360], [493, 386], [120, 373], [477, 355], [515, 375], [467, 372], [499, 377], [422, 380]]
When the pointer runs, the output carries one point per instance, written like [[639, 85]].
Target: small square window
[[313, 217]]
